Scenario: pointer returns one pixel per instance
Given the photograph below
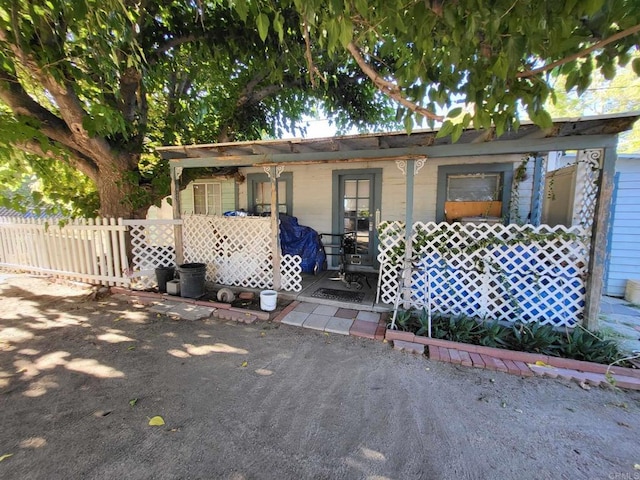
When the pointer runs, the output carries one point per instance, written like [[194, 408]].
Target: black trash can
[[192, 279], [163, 275]]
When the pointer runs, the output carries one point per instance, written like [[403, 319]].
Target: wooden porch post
[[408, 229], [175, 203], [599, 234], [275, 227]]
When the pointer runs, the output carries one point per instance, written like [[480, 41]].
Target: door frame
[[337, 224]]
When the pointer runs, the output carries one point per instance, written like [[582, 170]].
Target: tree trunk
[[115, 189]]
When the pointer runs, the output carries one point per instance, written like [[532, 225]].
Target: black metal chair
[[345, 245]]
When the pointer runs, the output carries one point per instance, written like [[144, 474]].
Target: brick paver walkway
[[326, 318]]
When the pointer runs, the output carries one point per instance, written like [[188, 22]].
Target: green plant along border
[[577, 343]]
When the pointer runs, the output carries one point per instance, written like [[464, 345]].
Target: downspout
[[538, 190]]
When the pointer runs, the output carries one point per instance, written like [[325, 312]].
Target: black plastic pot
[[192, 279], [163, 275]]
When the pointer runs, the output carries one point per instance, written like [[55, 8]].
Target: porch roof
[[565, 134]]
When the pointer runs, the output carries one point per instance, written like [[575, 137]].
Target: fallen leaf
[[132, 347], [540, 363], [518, 410], [427, 369], [326, 334], [262, 334], [636, 466], [504, 404], [156, 421], [244, 364], [133, 402], [5, 456]]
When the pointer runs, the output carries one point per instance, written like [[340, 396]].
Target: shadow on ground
[[80, 379]]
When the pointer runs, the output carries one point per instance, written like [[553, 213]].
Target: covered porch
[[325, 165]]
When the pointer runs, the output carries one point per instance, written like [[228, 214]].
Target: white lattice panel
[[587, 184], [390, 255], [236, 250], [291, 273], [152, 246], [493, 271]]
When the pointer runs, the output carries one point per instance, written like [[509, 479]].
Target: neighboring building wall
[[228, 189], [624, 238], [559, 197], [313, 196]]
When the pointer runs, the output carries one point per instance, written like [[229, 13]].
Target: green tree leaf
[[262, 21]]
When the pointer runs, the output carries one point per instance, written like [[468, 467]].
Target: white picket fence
[[86, 250], [497, 272]]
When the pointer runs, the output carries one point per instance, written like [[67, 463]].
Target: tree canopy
[[91, 86]]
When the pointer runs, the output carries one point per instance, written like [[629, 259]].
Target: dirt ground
[[80, 379]]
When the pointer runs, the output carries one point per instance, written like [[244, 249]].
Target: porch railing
[[508, 273], [237, 251]]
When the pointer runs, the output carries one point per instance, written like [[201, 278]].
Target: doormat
[[338, 295]]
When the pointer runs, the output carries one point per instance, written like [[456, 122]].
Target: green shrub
[[579, 344], [582, 344], [535, 338]]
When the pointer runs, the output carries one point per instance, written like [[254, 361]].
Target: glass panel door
[[356, 210]]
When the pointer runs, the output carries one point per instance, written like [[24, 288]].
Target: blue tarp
[[297, 239]]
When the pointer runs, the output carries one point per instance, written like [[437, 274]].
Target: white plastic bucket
[[268, 300]]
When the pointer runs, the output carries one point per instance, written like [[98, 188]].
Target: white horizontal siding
[[165, 211], [313, 184], [624, 251]]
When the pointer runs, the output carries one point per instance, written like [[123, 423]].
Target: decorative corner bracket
[[178, 172], [419, 164], [279, 170], [402, 166], [592, 158]]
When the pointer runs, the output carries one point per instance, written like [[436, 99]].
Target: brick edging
[[513, 355]]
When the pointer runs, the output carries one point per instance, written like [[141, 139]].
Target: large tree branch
[[175, 42], [21, 104], [129, 100], [74, 159], [70, 106], [581, 53], [389, 88]]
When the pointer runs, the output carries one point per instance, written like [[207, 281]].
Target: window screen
[[477, 187]]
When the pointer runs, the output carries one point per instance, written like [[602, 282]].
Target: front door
[[358, 199]]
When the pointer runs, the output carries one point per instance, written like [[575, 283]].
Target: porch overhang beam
[[496, 147]]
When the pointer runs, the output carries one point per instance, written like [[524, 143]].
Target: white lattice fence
[[514, 272], [237, 251], [587, 185], [291, 273], [152, 246]]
